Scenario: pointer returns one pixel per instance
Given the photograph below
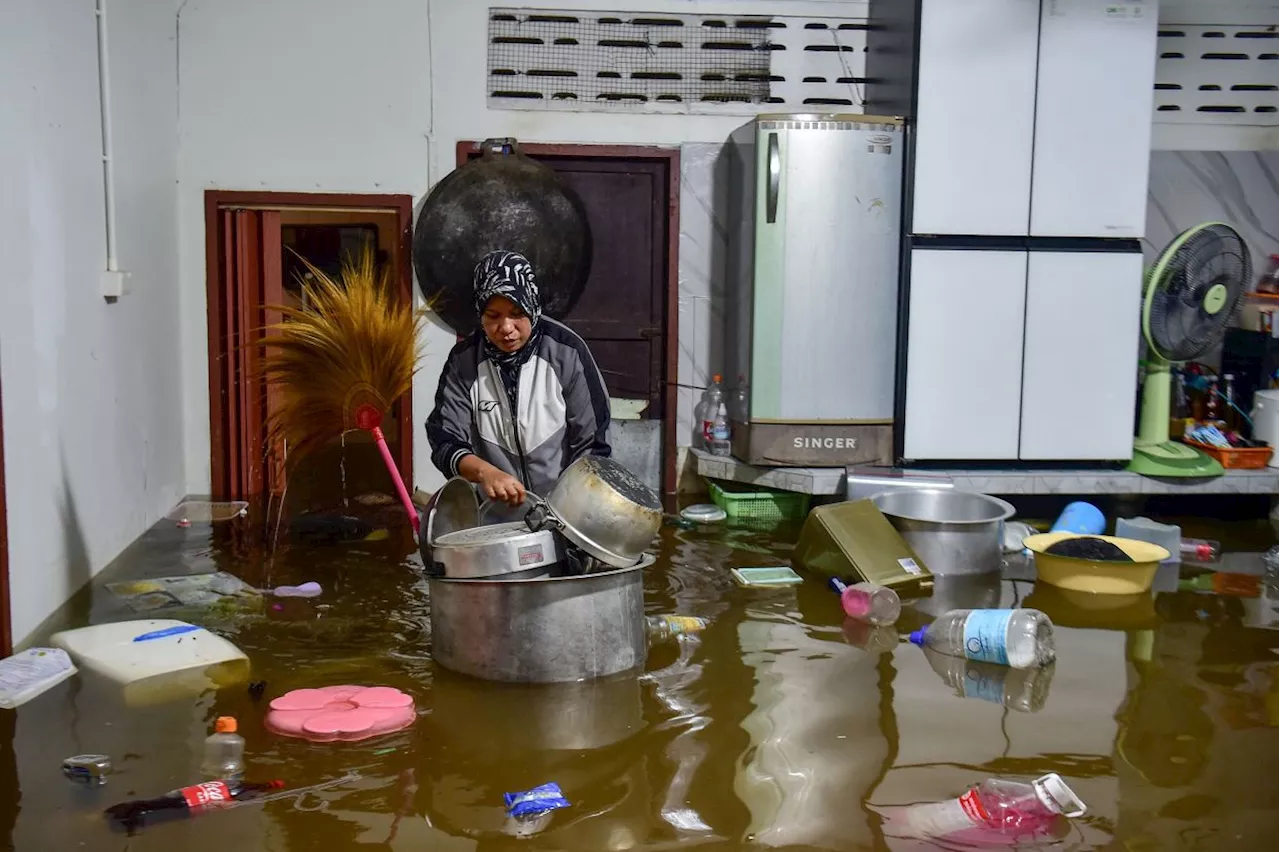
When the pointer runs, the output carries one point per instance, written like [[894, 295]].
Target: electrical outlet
[[112, 283]]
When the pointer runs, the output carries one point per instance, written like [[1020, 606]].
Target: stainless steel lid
[[495, 550], [454, 507]]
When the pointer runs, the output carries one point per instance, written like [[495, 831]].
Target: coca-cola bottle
[[189, 800]]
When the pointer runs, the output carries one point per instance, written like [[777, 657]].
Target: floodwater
[[780, 727]]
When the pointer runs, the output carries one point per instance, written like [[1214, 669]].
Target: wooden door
[[249, 244], [245, 275], [622, 314]]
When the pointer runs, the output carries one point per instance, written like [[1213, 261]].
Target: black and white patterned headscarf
[[510, 275]]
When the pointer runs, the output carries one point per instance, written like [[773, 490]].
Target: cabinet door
[[1094, 93], [1080, 359], [975, 117], [964, 364]]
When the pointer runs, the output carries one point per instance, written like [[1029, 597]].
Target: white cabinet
[[972, 162], [1033, 118], [1094, 92], [964, 356], [1080, 355]]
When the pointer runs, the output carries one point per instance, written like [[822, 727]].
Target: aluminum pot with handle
[[603, 508]]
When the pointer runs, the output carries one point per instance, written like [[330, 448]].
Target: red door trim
[[220, 301], [672, 295]]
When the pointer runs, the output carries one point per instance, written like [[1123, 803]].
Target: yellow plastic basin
[[1091, 575]]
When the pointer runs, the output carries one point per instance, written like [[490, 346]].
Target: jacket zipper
[[515, 425]]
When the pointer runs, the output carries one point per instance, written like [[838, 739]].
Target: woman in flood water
[[521, 398]]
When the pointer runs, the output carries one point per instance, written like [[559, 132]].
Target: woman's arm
[[587, 403], [449, 433], [449, 425]]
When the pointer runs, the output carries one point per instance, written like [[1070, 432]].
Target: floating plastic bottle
[[660, 628], [1200, 550], [1224, 583], [224, 752], [1024, 690], [189, 800], [1018, 638], [867, 601], [994, 812]]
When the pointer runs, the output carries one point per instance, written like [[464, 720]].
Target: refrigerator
[[1025, 190], [814, 236]]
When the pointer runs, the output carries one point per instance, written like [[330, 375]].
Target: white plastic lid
[[1055, 794], [705, 513]]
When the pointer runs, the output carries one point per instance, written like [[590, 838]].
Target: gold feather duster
[[341, 362]]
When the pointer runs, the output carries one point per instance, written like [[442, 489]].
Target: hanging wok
[[501, 201]]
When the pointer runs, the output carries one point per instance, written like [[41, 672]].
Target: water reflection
[[783, 725]]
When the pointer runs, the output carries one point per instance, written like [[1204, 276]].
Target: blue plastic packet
[[543, 798]]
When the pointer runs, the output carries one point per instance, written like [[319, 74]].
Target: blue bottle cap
[[835, 585], [917, 637]]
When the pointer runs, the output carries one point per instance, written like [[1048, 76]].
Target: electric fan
[[1191, 294]]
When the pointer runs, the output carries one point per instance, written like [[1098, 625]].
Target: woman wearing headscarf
[[521, 398]]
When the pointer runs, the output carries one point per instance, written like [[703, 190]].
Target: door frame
[[216, 284], [671, 320]]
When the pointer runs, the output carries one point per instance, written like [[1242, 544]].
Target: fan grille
[[1204, 258]]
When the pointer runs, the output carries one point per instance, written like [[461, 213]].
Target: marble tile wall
[[1235, 187], [702, 268], [1186, 188]]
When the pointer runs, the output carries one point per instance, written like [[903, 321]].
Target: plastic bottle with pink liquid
[[867, 602], [995, 811]]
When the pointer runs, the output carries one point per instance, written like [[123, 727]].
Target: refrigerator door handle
[[775, 179]]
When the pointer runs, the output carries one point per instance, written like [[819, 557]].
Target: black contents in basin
[[1094, 549]]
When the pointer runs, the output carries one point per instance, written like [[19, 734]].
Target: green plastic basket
[[759, 504]]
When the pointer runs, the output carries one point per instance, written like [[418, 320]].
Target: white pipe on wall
[[108, 169]]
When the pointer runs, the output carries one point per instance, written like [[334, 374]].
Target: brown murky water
[[776, 728]]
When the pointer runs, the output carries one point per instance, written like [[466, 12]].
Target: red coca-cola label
[[973, 807], [208, 793]]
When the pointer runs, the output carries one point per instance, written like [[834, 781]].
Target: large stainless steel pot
[[954, 532], [545, 630], [605, 509]]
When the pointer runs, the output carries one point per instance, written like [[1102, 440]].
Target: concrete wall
[[326, 94], [92, 432]]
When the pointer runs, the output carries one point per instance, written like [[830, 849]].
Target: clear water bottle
[[1018, 638], [867, 601], [705, 413], [224, 752], [1199, 550], [995, 810], [739, 401], [721, 433], [661, 628], [1024, 690]]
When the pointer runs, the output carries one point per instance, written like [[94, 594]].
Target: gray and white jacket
[[563, 409]]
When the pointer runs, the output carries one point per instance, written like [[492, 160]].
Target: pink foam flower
[[346, 713]]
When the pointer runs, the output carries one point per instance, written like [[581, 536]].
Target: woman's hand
[[496, 483], [500, 485]]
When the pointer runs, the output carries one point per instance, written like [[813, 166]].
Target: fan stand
[[1153, 453]]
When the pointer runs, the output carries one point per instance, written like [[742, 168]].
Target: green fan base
[[1172, 459]]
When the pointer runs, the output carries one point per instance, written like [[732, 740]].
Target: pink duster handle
[[405, 500]]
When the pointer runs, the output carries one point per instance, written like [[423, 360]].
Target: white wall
[[93, 437], [343, 97]]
